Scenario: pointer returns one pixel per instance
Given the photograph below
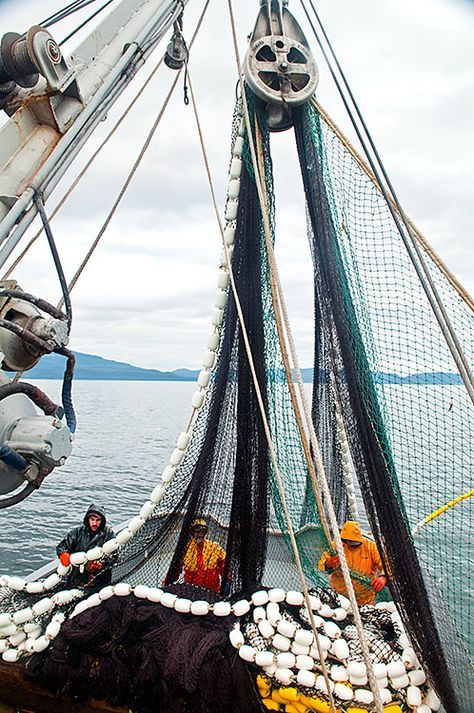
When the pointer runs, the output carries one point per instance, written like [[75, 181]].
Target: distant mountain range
[[92, 367]]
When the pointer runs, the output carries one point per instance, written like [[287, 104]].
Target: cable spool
[[16, 66]]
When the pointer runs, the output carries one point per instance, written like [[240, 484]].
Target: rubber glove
[[94, 566], [65, 559], [332, 562], [379, 583]]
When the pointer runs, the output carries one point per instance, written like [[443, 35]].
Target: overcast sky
[[147, 295]]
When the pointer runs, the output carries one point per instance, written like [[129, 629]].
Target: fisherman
[[93, 533], [204, 560], [363, 557]]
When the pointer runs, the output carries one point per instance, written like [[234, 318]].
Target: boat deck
[[20, 696]]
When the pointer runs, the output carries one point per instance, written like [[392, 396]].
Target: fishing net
[[389, 436], [226, 475], [382, 361], [225, 482]]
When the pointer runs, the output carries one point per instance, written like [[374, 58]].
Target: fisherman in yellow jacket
[[362, 556], [204, 560]]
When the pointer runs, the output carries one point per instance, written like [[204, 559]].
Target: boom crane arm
[[52, 120]]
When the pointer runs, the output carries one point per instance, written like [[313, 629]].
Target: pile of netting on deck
[[156, 661], [383, 367]]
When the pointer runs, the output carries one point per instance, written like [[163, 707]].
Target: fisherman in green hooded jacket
[[92, 533]]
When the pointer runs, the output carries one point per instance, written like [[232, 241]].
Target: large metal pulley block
[[279, 66]]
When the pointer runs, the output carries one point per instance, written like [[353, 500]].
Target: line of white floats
[[291, 656], [22, 631], [177, 456]]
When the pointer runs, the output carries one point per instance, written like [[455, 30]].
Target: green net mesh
[[417, 403]]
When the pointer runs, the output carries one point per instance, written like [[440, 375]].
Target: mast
[[54, 118]]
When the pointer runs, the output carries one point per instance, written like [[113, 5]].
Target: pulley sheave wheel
[[281, 70], [279, 66]]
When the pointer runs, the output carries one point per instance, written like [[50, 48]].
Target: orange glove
[[65, 559], [332, 562], [379, 583], [94, 566]]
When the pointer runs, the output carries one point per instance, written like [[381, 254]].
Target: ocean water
[[125, 434]]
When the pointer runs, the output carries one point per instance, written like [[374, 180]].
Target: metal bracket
[[279, 66]]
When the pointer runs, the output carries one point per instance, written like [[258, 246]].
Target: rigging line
[[125, 185], [66, 8], [420, 237], [62, 280], [419, 264], [278, 304], [268, 436], [85, 22], [136, 163], [66, 12], [331, 512], [78, 178]]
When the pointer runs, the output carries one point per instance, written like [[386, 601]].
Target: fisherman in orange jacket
[[204, 560], [362, 556]]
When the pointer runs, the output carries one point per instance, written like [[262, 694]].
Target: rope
[[65, 12], [319, 461], [85, 22], [278, 304], [261, 405], [439, 511], [321, 470]]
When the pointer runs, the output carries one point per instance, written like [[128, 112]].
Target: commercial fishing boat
[[267, 476]]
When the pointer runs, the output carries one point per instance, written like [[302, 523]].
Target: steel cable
[[85, 22], [135, 166], [65, 12]]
